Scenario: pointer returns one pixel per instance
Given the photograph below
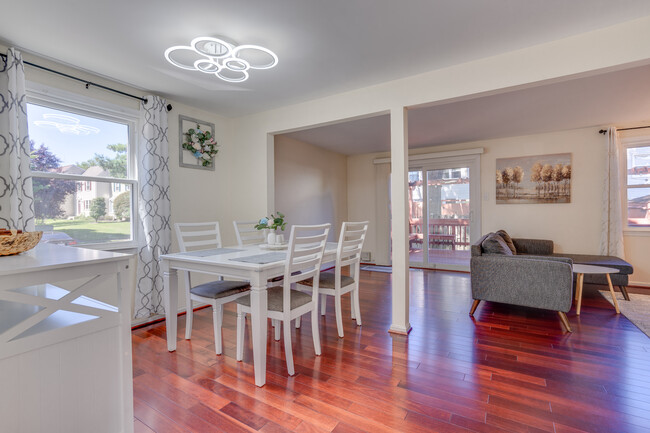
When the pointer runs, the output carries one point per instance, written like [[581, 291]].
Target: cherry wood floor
[[508, 369]]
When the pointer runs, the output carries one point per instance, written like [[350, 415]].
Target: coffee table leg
[[579, 289], [611, 290]]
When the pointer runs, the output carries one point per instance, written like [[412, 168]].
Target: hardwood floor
[[508, 369]]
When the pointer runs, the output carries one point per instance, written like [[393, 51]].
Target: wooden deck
[[508, 369]]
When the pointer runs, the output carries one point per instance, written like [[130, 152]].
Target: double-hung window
[[637, 183], [83, 171]]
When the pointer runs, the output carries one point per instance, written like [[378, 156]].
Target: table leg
[[611, 290], [579, 289], [258, 323], [170, 297]]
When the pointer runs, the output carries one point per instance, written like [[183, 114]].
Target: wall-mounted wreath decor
[[198, 147]]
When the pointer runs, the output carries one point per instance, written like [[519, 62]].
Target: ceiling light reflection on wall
[[215, 56]]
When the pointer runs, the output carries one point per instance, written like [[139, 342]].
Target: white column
[[399, 210]]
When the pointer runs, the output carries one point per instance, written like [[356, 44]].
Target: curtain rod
[[604, 131], [86, 82]]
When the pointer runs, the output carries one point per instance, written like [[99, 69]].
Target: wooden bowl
[[17, 243]]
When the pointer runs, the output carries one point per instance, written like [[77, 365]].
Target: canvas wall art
[[534, 179]]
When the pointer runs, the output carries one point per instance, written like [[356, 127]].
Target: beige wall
[[574, 227], [310, 184]]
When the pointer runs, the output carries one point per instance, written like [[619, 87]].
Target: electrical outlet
[[365, 256]]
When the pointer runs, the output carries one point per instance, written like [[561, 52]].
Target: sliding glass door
[[444, 205]]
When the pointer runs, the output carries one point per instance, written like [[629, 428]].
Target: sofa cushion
[[494, 244], [508, 240], [623, 267]]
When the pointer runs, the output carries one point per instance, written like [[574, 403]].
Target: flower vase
[[270, 239]]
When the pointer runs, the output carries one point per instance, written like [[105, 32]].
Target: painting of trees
[[534, 179]]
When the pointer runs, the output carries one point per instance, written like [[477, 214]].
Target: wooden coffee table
[[581, 270]]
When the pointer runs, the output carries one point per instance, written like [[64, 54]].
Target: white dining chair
[[348, 253], [247, 234], [201, 236], [304, 255]]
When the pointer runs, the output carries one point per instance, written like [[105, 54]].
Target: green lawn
[[88, 231]]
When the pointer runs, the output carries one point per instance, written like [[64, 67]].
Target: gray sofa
[[533, 276]]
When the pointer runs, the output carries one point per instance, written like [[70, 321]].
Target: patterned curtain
[[153, 206], [16, 195], [611, 223]]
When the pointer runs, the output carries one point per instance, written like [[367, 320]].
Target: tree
[[518, 176], [122, 206], [49, 194], [116, 166], [97, 208], [536, 176]]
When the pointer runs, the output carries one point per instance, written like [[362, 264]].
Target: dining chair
[[304, 255], [348, 253], [200, 236], [247, 234]]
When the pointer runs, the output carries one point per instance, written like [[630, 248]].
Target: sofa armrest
[[535, 282], [538, 247]]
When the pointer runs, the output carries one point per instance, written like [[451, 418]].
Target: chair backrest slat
[[351, 239], [247, 234], [304, 255], [187, 234]]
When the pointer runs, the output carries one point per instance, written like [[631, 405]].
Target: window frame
[[57, 99], [629, 143]]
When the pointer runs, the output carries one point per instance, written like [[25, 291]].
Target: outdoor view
[[638, 186], [68, 145]]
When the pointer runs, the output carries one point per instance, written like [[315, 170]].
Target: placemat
[[262, 258], [210, 252]]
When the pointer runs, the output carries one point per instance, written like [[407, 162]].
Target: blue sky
[[57, 134]]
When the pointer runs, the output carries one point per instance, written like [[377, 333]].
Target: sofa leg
[[624, 292], [564, 320], [474, 305]]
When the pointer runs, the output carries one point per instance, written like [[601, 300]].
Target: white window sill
[[635, 233]]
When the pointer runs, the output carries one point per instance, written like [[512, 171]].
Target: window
[[82, 171], [637, 184]]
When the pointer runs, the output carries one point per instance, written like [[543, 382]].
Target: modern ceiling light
[[226, 61]]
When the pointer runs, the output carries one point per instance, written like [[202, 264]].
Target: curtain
[[611, 233], [153, 206], [16, 194]]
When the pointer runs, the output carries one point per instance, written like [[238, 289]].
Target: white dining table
[[237, 262]]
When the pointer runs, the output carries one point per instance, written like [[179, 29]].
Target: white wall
[[310, 184]]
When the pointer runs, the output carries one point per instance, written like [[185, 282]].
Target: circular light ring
[[170, 50], [237, 50], [236, 65], [207, 66], [243, 78], [196, 41]]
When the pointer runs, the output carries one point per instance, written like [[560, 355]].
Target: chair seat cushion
[[327, 280], [220, 289], [275, 297]]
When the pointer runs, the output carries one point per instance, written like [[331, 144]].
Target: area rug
[[387, 269], [637, 309]]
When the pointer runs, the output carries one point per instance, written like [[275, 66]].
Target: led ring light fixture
[[226, 61]]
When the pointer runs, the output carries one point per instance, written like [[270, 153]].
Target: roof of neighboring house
[[70, 169], [96, 171]]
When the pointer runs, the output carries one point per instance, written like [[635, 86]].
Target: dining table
[[254, 263]]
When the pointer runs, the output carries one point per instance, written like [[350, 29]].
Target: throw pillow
[[508, 240], [494, 244]]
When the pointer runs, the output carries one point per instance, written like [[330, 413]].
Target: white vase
[[270, 239]]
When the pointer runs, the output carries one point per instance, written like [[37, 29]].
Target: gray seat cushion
[[220, 289], [326, 280], [275, 297], [608, 261]]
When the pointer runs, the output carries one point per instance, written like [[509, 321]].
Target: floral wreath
[[202, 145]]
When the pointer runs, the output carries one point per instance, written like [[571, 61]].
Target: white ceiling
[[617, 98], [324, 47]]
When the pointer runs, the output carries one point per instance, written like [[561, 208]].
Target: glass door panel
[[448, 216], [416, 217]]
